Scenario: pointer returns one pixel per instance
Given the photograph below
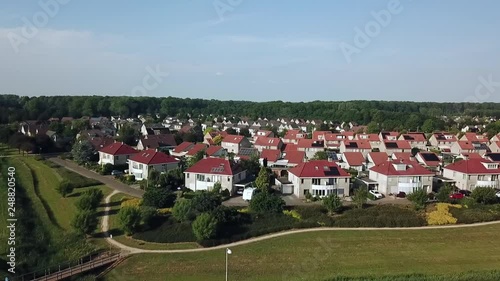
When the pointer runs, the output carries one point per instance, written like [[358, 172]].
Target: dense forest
[[17, 108]]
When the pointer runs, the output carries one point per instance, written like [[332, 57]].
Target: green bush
[[225, 194], [484, 195], [380, 216], [85, 222], [158, 198], [443, 195], [265, 203], [106, 169], [418, 197], [360, 196], [333, 203], [206, 201], [183, 210], [129, 219], [167, 230], [205, 226], [147, 215], [90, 199], [64, 188]]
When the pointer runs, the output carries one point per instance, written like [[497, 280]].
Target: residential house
[[443, 141], [263, 133], [395, 146], [116, 153], [271, 155], [195, 149], [429, 160], [494, 146], [293, 136], [401, 176], [233, 143], [294, 157], [374, 140], [206, 172], [466, 147], [246, 153], [310, 147], [473, 137], [376, 158], [353, 160], [215, 151], [166, 141], [182, 149], [319, 178], [268, 143], [154, 129], [417, 140], [472, 173], [141, 164], [388, 136], [355, 146]]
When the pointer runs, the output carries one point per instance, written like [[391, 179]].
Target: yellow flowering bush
[[244, 210], [294, 214], [442, 215], [164, 211], [136, 202]]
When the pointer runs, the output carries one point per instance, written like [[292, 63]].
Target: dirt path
[[132, 250]]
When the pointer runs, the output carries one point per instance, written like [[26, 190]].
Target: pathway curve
[[109, 181], [132, 250]]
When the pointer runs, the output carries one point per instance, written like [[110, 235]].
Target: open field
[[119, 236], [324, 255]]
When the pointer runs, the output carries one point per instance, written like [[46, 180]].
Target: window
[[346, 179], [306, 191], [481, 177], [316, 181], [494, 177], [187, 175], [228, 178], [301, 180], [140, 166]]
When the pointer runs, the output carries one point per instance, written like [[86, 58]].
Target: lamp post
[[228, 252]]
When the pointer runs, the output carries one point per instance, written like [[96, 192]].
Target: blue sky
[[254, 50]]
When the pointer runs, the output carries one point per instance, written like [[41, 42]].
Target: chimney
[[389, 159], [330, 159], [157, 150]]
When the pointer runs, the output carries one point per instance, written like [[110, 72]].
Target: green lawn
[[326, 254], [5, 150], [61, 209], [119, 236]]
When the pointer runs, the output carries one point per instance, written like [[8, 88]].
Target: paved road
[[109, 181], [132, 250]]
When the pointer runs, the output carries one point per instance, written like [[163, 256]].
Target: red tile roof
[[416, 137], [378, 157], [316, 135], [309, 143], [429, 163], [357, 144], [153, 157], [401, 144], [441, 136], [100, 142], [218, 166], [183, 147], [271, 154], [265, 141], [318, 169], [465, 145], [473, 166], [369, 137], [289, 147], [354, 158], [295, 157], [411, 168], [472, 155], [475, 137], [118, 148], [406, 156], [155, 141], [233, 139], [197, 147], [294, 134], [213, 149]]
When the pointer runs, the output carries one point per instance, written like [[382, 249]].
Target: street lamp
[[228, 252]]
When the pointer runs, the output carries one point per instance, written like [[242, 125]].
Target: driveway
[[290, 200], [107, 180]]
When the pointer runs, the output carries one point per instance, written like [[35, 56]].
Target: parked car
[[249, 192], [375, 193], [401, 194], [456, 195], [240, 191], [116, 173], [465, 192], [498, 193]]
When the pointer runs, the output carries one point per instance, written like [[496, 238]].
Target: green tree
[[206, 201], [147, 215], [196, 158], [158, 198], [217, 188], [320, 155], [64, 188], [245, 132], [418, 197], [415, 151], [183, 210], [217, 140], [484, 195], [262, 180], [372, 128], [82, 152], [333, 203], [128, 135], [266, 203], [107, 168], [360, 197], [85, 221], [443, 194], [90, 199], [252, 164], [205, 226], [129, 219]]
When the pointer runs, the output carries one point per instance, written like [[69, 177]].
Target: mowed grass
[[327, 254], [5, 150], [119, 236], [61, 210]]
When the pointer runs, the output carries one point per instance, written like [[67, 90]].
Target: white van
[[248, 193]]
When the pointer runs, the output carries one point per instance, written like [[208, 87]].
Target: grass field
[[61, 210], [119, 236], [324, 255], [5, 150]]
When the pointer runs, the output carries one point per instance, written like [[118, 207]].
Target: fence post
[[59, 272]]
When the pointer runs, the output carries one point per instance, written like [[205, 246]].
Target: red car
[[457, 195]]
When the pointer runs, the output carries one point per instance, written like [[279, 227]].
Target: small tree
[[147, 215], [183, 210], [85, 222], [217, 188], [64, 188], [158, 198], [418, 197], [205, 227], [262, 180], [206, 201], [484, 195], [360, 197], [333, 203], [90, 200], [129, 219], [82, 151], [265, 203], [443, 195], [107, 169], [320, 155]]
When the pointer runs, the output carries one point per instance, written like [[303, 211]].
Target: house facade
[[472, 173], [206, 172], [233, 143], [141, 164], [116, 153]]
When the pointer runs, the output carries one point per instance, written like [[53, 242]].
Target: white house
[[143, 162], [472, 173], [206, 172], [233, 143], [116, 153]]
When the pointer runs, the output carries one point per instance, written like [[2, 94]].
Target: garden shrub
[[205, 226], [484, 195], [164, 211], [133, 202], [183, 210], [442, 215], [167, 231], [265, 203], [380, 216], [293, 213]]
